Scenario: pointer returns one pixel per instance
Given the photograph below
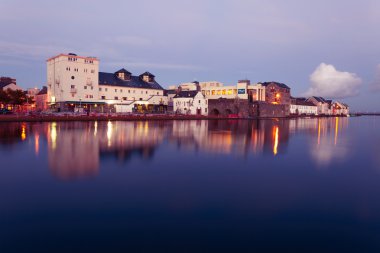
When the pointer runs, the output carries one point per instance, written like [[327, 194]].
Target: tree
[[4, 97], [16, 97]]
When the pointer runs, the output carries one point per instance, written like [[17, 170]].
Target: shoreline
[[59, 118]]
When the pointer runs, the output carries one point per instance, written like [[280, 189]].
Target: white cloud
[[375, 85], [327, 81]]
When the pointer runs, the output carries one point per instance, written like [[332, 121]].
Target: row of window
[[219, 92], [116, 90], [178, 103], [123, 98], [77, 70], [129, 91]]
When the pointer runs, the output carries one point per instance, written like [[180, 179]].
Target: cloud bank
[[327, 81], [375, 85]]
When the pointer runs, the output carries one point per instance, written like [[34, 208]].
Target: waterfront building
[[242, 90], [42, 99], [75, 84], [9, 83], [322, 104], [190, 103], [299, 106], [339, 108]]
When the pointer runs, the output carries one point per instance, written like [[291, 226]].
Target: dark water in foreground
[[307, 185]]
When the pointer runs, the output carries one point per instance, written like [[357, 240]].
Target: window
[[106, 89], [100, 89], [205, 109], [92, 88], [103, 97], [129, 91], [72, 77], [115, 90], [199, 101], [121, 90], [85, 87], [140, 99], [146, 92], [158, 93], [124, 98], [116, 98], [72, 86]]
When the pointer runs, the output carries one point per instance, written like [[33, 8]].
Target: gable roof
[[5, 81], [281, 85], [123, 70], [186, 94], [301, 101], [43, 91], [146, 73], [111, 79], [319, 99]]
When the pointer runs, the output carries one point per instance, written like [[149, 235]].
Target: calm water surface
[[307, 185]]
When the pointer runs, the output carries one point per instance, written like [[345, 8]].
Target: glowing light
[[53, 99], [109, 133], [95, 128], [278, 95], [36, 144], [23, 132], [336, 130], [53, 135], [319, 131], [275, 137]]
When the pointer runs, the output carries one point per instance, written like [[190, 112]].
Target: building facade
[[75, 84], [323, 105], [42, 100], [299, 106], [190, 103]]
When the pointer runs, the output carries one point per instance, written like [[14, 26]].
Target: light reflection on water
[[74, 148], [286, 185]]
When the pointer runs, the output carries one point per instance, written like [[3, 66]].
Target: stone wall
[[267, 110], [244, 109]]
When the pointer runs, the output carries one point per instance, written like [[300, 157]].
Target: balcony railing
[[73, 90]]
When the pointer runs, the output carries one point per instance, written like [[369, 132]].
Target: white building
[[323, 105], [339, 108], [75, 84], [215, 90], [300, 106], [190, 103]]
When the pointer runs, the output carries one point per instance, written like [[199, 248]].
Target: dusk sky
[[327, 48]]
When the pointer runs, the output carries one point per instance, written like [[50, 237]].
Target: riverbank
[[118, 117]]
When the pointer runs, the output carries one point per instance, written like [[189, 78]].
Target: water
[[306, 185]]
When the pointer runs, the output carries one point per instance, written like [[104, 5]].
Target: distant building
[[42, 100], [190, 103], [322, 104], [276, 93], [9, 83], [339, 108], [299, 106], [75, 84]]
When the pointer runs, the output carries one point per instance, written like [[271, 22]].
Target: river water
[[299, 185]]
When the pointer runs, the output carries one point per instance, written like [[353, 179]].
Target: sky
[[323, 48]]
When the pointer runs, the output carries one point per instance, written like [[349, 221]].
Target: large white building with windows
[[75, 84]]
